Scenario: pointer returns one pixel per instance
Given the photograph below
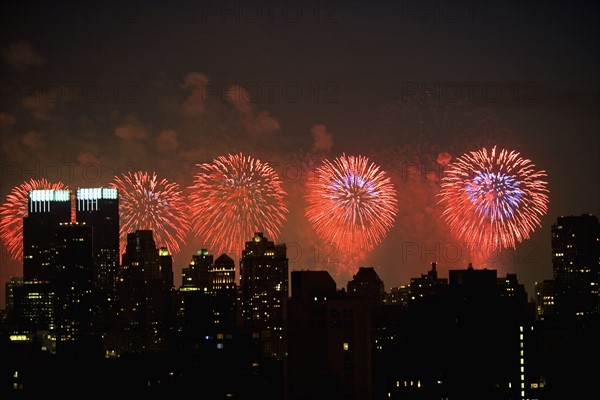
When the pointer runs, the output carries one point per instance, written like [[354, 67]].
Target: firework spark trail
[[233, 197], [14, 209], [493, 199], [351, 203], [147, 202]]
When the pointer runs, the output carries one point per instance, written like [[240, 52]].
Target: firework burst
[[350, 203], [233, 197], [14, 209], [147, 202], [493, 199]]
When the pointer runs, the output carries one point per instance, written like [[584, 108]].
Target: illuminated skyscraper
[[197, 276], [99, 208], [576, 265], [264, 289], [224, 292], [46, 210], [34, 301], [222, 274]]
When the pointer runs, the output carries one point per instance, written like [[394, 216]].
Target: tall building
[[224, 292], [222, 274], [576, 265], [99, 208], [142, 293], [46, 210], [329, 341], [208, 299], [544, 298], [73, 282], [11, 285], [264, 289], [34, 301], [197, 275]]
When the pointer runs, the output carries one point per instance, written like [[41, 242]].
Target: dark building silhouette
[[73, 283], [12, 284], [398, 296], [367, 285], [264, 292], [544, 292], [510, 288], [329, 341], [99, 208], [195, 303], [207, 299], [165, 265], [576, 265], [472, 282], [470, 342], [144, 287], [428, 285]]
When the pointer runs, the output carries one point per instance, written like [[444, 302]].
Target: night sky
[[93, 89]]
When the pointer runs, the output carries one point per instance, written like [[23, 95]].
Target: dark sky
[[119, 85]]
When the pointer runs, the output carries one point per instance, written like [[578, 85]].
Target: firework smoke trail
[[493, 199], [14, 209], [233, 197], [147, 202], [350, 203]]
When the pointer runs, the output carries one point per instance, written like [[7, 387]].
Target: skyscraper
[[264, 288], [34, 301], [224, 291], [196, 276], [576, 265], [99, 208], [73, 281], [141, 294], [544, 292], [329, 340], [46, 210]]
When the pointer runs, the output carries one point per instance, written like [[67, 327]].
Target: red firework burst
[[351, 203], [14, 209], [147, 202], [493, 199], [233, 197]]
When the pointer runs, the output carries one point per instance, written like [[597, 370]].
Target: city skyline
[[288, 334], [293, 84], [97, 208]]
